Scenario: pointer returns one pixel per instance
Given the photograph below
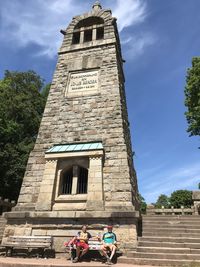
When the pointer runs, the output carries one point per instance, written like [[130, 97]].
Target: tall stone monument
[[81, 169]]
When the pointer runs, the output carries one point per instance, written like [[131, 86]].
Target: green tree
[[45, 90], [181, 198], [192, 97], [21, 108], [143, 204], [162, 200]]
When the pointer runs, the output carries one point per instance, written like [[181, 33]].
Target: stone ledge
[[71, 214], [65, 50], [94, 153]]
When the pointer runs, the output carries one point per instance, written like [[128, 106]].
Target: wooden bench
[[27, 242]]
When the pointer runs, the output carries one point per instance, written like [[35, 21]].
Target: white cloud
[[165, 182], [130, 12], [135, 46], [37, 21]]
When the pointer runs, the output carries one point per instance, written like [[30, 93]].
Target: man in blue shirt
[[109, 243]]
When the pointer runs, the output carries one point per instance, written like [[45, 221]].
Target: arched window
[[82, 181], [89, 22], [67, 180], [88, 29]]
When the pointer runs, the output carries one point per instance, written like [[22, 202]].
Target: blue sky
[[159, 39]]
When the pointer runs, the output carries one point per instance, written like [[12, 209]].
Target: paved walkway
[[21, 262]]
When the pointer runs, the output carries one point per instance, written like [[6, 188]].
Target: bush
[[181, 198]]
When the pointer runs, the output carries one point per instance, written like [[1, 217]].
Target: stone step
[[171, 230], [167, 250], [169, 239], [171, 234], [168, 244], [171, 225], [174, 256], [157, 262], [196, 225], [168, 223], [170, 218], [171, 221]]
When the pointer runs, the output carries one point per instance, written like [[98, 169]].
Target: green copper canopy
[[75, 147]]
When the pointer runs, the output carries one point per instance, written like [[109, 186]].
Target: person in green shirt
[[109, 243]]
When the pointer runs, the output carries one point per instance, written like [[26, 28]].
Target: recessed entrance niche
[[72, 177], [72, 181]]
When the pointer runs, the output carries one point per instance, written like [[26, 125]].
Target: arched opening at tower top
[[88, 22], [88, 30]]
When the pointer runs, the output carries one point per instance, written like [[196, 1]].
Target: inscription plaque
[[83, 82]]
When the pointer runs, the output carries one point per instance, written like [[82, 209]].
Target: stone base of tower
[[63, 225]]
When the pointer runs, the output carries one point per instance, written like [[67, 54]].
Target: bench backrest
[[45, 241]]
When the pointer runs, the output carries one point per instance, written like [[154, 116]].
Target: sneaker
[[109, 262], [75, 260]]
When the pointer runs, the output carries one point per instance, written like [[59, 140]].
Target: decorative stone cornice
[[95, 157], [51, 161], [91, 153]]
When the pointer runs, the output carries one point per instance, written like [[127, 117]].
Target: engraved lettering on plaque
[[83, 81]]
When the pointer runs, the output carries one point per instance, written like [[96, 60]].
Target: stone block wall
[[100, 116], [63, 229]]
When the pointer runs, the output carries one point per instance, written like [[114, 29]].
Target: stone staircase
[[167, 241]]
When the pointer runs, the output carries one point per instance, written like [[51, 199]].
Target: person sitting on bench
[[109, 243], [82, 243]]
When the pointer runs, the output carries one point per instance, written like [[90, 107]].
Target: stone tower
[[81, 168]]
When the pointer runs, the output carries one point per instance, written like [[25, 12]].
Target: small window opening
[[76, 38], [82, 181], [67, 182], [87, 35], [100, 33]]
